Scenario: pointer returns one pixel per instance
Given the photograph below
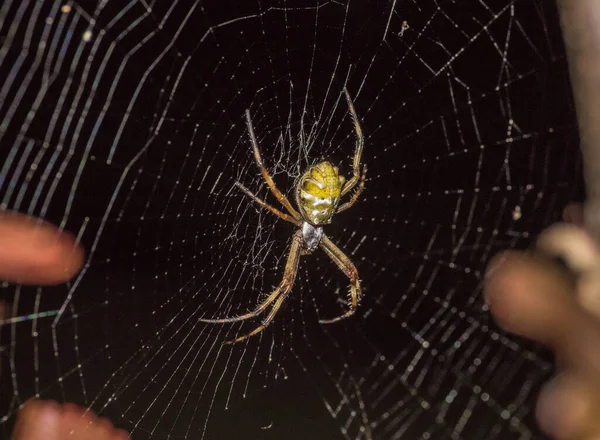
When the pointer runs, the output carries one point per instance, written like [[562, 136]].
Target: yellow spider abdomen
[[319, 192]]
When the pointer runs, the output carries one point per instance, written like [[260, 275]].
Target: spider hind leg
[[278, 295], [266, 321], [344, 263]]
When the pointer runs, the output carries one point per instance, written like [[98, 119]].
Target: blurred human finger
[[35, 252], [568, 407], [573, 213], [577, 250], [525, 300], [47, 420], [530, 296]]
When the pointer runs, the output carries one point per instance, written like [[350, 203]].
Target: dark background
[[134, 138]]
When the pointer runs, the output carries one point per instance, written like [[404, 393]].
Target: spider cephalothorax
[[318, 193]]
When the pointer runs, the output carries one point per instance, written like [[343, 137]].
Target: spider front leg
[[349, 269], [266, 176], [360, 142], [268, 207], [278, 295], [357, 194]]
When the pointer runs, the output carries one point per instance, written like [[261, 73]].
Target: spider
[[318, 193]]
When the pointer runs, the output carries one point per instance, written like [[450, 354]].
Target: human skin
[[47, 420], [526, 293], [35, 252], [580, 23], [530, 296]]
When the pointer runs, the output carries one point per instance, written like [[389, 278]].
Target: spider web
[[123, 122]]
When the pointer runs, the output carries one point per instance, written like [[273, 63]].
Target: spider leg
[[257, 311], [268, 179], [266, 321], [278, 295], [344, 263], [356, 195], [265, 205], [360, 142]]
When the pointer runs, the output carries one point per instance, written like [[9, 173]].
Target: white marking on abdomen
[[328, 201]]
